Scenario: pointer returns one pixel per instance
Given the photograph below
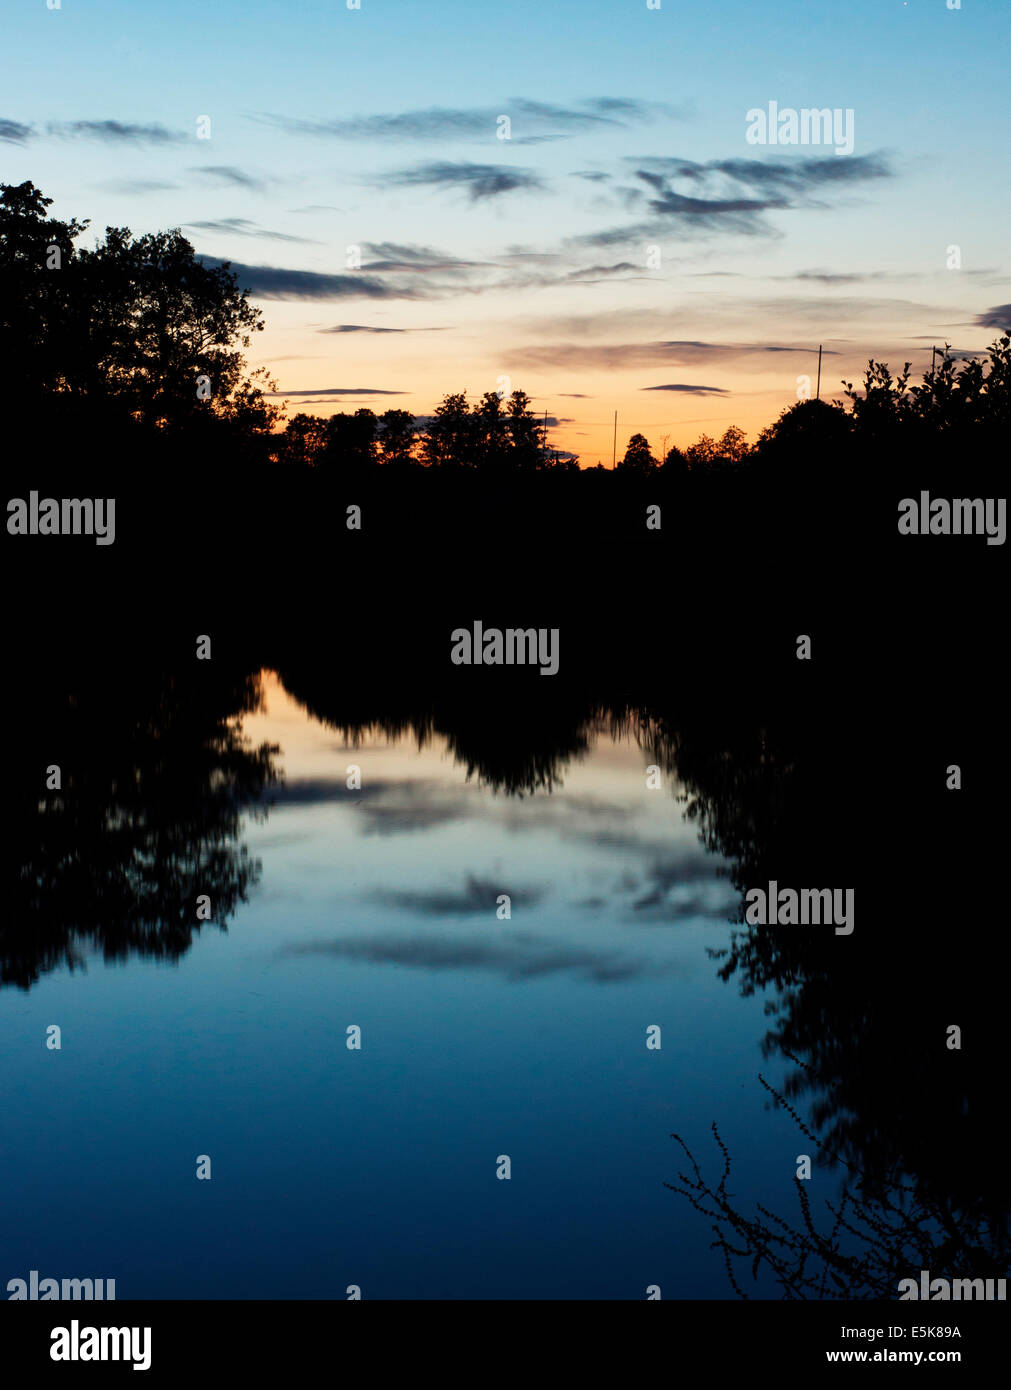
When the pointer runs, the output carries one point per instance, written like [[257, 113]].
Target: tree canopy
[[134, 328]]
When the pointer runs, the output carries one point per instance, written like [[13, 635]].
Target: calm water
[[480, 1037]]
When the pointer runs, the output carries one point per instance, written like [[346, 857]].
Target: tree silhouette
[[702, 454], [524, 433], [807, 426], [638, 457], [733, 446], [675, 465], [396, 436], [774, 799], [351, 441], [977, 394], [449, 439], [36, 307], [875, 1239], [557, 461], [139, 328], [886, 402], [969, 401], [493, 438], [303, 441], [156, 776]]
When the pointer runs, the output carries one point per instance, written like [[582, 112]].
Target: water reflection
[[154, 777], [160, 785]]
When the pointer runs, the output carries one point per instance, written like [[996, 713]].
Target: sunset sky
[[626, 249]]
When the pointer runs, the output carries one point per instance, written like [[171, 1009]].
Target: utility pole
[[817, 394], [614, 451]]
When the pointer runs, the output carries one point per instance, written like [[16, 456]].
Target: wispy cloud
[[689, 390], [15, 132], [370, 328], [359, 328], [763, 179], [827, 277], [997, 317], [593, 273], [695, 224], [394, 257], [136, 186], [228, 175], [393, 270], [480, 181], [818, 309], [241, 226], [961, 353], [726, 195], [524, 271], [275, 282], [520, 957], [617, 355], [336, 391], [117, 132], [531, 121], [477, 895]]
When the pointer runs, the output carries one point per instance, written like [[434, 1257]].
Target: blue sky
[[524, 262]]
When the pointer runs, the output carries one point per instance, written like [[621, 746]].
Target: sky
[[628, 248]]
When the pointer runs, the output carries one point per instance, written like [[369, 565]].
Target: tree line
[[141, 334], [496, 434]]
